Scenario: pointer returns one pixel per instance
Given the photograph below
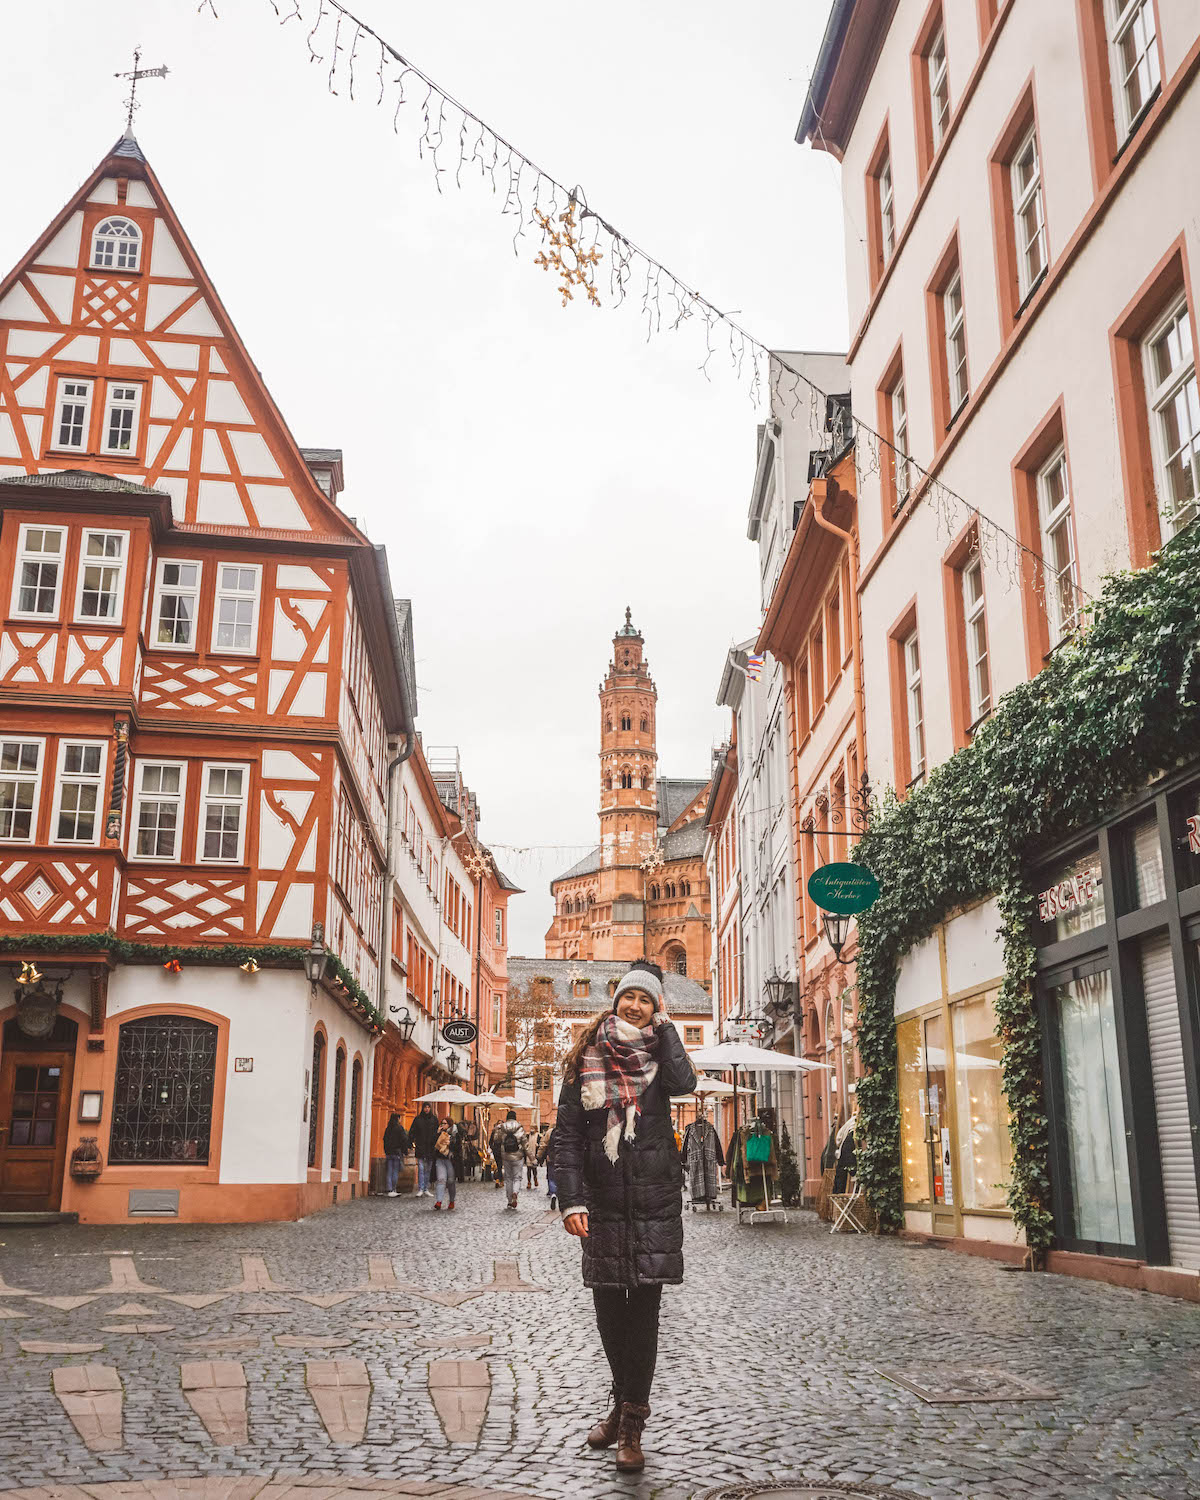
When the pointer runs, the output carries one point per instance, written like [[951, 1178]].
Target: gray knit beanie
[[645, 977]]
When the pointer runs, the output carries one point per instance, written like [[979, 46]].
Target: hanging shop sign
[[462, 1033], [1193, 828], [845, 889], [1076, 890]]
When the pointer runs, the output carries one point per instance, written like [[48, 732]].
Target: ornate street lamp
[[775, 985], [314, 957], [405, 1024], [837, 930]]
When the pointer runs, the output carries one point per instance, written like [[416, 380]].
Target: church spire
[[628, 757]]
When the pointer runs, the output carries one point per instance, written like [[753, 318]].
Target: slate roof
[[686, 842], [674, 795], [684, 996], [588, 865], [127, 146], [81, 479]]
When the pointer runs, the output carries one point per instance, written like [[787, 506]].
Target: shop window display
[[984, 1146]]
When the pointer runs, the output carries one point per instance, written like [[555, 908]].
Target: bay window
[[77, 804], [101, 575], [158, 809], [20, 772], [223, 813], [38, 572]]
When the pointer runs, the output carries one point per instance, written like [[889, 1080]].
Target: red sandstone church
[[644, 889]]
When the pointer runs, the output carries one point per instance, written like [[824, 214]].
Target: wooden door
[[35, 1097]]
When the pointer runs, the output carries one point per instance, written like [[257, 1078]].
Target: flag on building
[[754, 668]]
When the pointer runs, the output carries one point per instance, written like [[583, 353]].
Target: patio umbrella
[[745, 1055], [449, 1093]]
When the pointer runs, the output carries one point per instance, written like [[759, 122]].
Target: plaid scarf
[[616, 1070]]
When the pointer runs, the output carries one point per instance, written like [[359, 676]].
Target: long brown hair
[[573, 1058]]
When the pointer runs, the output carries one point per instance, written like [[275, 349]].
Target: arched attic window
[[116, 245], [679, 961], [685, 887], [654, 893]]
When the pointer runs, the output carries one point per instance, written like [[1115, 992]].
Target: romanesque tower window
[[645, 781], [626, 721], [116, 246], [645, 725], [627, 780], [680, 961]]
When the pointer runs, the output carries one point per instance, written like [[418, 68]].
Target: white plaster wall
[[264, 1138], [344, 1030], [974, 953], [1066, 352], [918, 977]]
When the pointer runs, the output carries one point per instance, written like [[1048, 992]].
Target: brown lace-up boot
[[604, 1433], [630, 1458]]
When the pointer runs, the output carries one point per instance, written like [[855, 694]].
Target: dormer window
[[116, 246]]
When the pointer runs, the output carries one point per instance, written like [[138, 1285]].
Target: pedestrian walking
[[470, 1150], [530, 1153], [619, 1179], [443, 1165], [508, 1147], [395, 1149], [422, 1135], [546, 1158]]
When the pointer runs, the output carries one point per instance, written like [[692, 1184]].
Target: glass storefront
[[984, 1145], [1119, 989]]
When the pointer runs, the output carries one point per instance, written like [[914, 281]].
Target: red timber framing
[[198, 650]]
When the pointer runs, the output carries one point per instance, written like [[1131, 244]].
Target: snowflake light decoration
[[573, 263], [478, 865], [653, 861]]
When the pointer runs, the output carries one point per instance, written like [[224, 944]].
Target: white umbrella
[[717, 1086], [449, 1093], [755, 1059]]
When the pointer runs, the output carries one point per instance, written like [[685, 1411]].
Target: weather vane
[[133, 103]]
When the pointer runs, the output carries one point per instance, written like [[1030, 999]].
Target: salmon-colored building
[[643, 891]]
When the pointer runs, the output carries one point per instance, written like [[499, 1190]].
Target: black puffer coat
[[635, 1206]]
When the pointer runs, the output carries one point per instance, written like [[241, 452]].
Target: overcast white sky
[[530, 469]]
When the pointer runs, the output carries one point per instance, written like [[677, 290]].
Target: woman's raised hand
[[577, 1224]]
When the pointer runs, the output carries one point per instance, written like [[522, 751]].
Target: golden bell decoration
[[30, 974], [249, 967], [173, 966]]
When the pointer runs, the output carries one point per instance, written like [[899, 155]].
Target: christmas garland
[[1110, 710], [267, 955]]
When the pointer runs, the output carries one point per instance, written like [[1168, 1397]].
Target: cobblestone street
[[407, 1351]]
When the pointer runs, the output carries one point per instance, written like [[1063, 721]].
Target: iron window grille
[[163, 1091]]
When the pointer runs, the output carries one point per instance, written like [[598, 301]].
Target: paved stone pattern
[[769, 1365]]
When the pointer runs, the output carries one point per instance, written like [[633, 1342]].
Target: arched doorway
[[35, 1105]]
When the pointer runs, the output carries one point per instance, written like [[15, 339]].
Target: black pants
[[627, 1318]]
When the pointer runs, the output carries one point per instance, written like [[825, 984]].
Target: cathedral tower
[[628, 759]]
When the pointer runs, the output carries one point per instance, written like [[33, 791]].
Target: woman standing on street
[[443, 1164], [395, 1148], [619, 1180]]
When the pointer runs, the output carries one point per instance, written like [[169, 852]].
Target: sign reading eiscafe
[[1193, 828], [1076, 890]]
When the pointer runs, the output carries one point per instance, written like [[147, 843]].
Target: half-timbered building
[[201, 674]]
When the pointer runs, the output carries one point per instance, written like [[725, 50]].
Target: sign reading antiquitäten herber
[[845, 889]]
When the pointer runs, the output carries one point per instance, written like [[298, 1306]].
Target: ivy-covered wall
[[1108, 712]]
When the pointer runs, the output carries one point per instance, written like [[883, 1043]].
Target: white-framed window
[[939, 86], [77, 798], [158, 809], [979, 680], [913, 702], [101, 590], [73, 414], [902, 471], [1134, 44], [499, 926], [20, 774], [956, 342], [235, 619], [887, 210], [223, 813], [1029, 213], [176, 600], [122, 411], [38, 573], [116, 245], [1058, 547], [1174, 402]]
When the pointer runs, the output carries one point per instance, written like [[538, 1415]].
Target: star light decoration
[[567, 257]]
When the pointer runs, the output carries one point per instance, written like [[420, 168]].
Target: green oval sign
[[843, 889]]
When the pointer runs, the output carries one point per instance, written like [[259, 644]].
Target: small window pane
[[1146, 850]]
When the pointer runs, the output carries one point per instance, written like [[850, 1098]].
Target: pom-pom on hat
[[642, 975]]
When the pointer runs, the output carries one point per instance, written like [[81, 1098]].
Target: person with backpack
[[395, 1149], [422, 1135], [508, 1147]]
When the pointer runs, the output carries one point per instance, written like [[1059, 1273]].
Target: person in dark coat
[[395, 1148], [619, 1181], [422, 1134]]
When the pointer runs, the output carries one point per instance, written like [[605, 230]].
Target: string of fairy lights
[[584, 250]]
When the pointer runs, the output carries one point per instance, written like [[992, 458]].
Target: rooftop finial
[[629, 628], [133, 103]]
